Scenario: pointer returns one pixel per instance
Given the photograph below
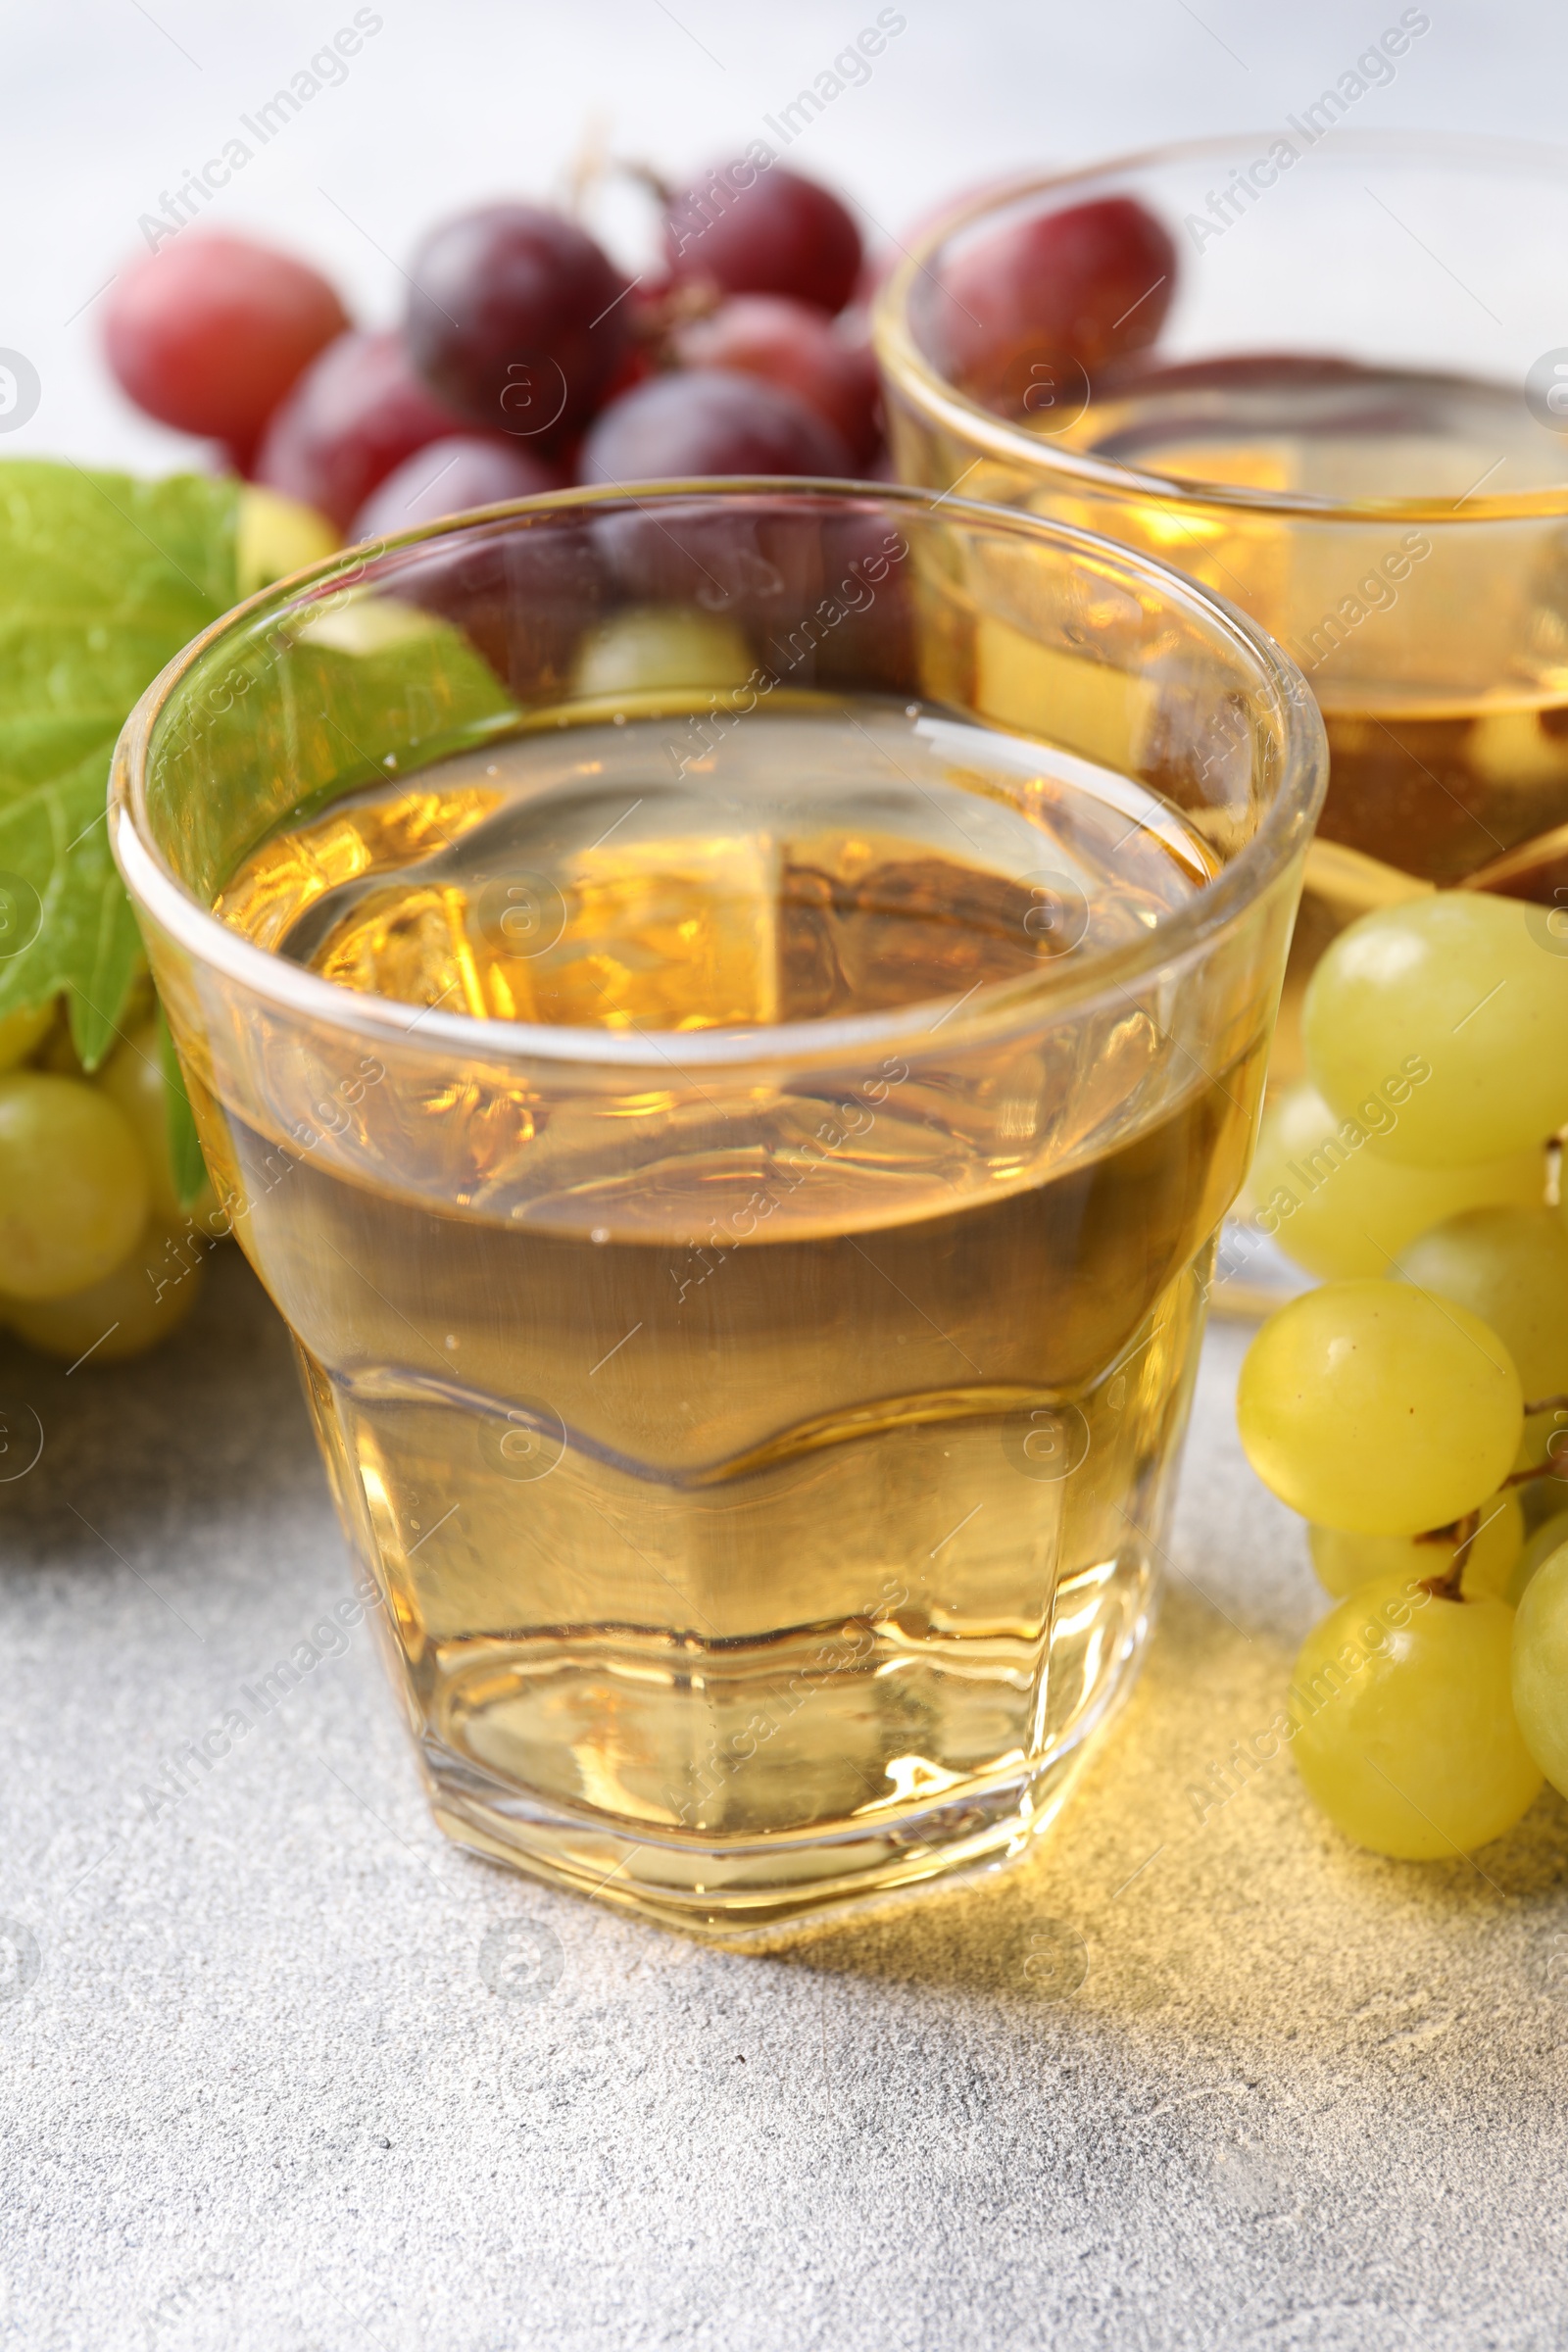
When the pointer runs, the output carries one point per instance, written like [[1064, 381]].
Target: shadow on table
[[1178, 1888], [212, 1419], [1175, 1888]]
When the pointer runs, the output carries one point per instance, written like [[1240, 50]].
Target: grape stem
[[1447, 1587], [658, 319], [1554, 1186], [658, 187], [587, 167], [1462, 1531], [1515, 1477], [1538, 1404], [1522, 1478]]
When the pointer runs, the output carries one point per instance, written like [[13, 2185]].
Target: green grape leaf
[[371, 690], [102, 578], [184, 1144]]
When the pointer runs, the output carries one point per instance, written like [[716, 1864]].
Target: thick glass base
[[762, 1890], [844, 1666]]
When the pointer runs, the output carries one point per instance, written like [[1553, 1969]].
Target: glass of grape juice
[[1326, 374], [726, 1020]]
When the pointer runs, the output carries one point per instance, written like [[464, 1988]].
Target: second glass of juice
[[1324, 371], [726, 1021]]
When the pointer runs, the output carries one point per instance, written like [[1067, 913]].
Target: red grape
[[210, 333], [790, 343], [867, 567], [518, 320], [821, 590], [740, 556], [878, 267], [356, 413], [448, 477], [1080, 287], [524, 596], [706, 421], [755, 229]]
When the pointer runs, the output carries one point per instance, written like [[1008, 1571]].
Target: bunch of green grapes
[[1414, 1408], [98, 1257]]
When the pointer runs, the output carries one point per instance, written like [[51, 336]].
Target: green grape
[[1344, 1561], [1544, 1447], [1405, 1733], [1548, 1538], [1454, 1009], [146, 1296], [134, 1077], [1543, 1498], [19, 1032], [274, 536], [1540, 1667], [1370, 1406], [649, 647], [1510, 1268], [1334, 1201], [73, 1186]]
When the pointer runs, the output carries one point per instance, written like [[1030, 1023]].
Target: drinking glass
[[752, 1372], [1338, 397]]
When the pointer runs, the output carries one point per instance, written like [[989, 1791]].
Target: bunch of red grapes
[[526, 358]]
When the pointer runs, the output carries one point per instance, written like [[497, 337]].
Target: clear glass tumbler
[[1326, 374], [726, 1020]]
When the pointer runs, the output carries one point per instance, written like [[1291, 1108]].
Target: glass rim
[[904, 362], [1282, 833]]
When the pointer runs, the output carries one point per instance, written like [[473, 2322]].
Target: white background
[[106, 103]]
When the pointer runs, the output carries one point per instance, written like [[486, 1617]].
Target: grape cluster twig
[[1462, 1532]]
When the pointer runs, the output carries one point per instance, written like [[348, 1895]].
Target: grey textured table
[[293, 2075]]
